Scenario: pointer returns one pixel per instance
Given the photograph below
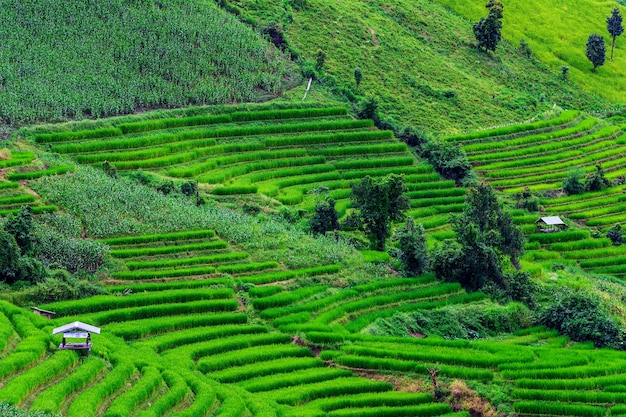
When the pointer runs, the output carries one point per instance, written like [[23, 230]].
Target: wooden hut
[[550, 224], [76, 330], [43, 313]]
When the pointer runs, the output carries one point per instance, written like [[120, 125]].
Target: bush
[[60, 285], [9, 258], [325, 218], [572, 184], [412, 250], [448, 159], [581, 317], [616, 235], [20, 226], [596, 181]]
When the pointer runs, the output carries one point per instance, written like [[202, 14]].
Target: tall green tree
[[484, 235], [412, 251], [20, 226], [596, 51], [614, 26], [325, 218], [378, 202], [488, 31]]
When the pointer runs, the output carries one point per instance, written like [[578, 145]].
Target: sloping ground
[[557, 33], [158, 54], [286, 154], [420, 60], [538, 156]]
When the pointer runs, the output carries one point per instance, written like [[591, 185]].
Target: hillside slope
[[557, 33], [420, 59]]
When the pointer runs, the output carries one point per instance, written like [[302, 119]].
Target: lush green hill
[[80, 59], [419, 58], [557, 33]]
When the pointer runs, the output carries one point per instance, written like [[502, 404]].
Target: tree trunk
[[612, 47]]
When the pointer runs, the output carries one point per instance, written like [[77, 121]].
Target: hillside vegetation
[[80, 59], [557, 33], [420, 59]]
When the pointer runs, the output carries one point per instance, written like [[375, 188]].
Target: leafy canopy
[[378, 202], [596, 51], [488, 32]]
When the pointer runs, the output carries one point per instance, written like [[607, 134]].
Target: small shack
[[43, 313], [550, 224], [76, 330]]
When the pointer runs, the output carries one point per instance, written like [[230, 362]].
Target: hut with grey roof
[[76, 330], [550, 224]]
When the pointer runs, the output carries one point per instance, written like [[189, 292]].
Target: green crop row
[[398, 282], [266, 291], [16, 161], [362, 321], [87, 403], [19, 199], [617, 208], [432, 210], [286, 275], [558, 409], [596, 253], [241, 116], [208, 148], [589, 204], [8, 185], [566, 236], [426, 410], [104, 132], [571, 372], [164, 273], [583, 126], [565, 117], [605, 133], [597, 383], [204, 397], [380, 172], [111, 302], [384, 301], [169, 138], [269, 160], [198, 334], [160, 310], [607, 220], [608, 260], [323, 169], [399, 147], [214, 347], [237, 189], [172, 285], [263, 368], [434, 193], [19, 387], [375, 163], [438, 201], [38, 174], [187, 235], [285, 298], [365, 136], [176, 391], [163, 161], [558, 202], [388, 364], [50, 399], [36, 210], [389, 399], [429, 184], [613, 269], [139, 392], [248, 267], [438, 354], [336, 387], [197, 260], [249, 356], [19, 360], [137, 329], [272, 313], [581, 244], [288, 379], [160, 250]]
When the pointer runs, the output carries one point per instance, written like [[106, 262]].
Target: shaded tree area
[[614, 26], [596, 51], [488, 31], [378, 202], [485, 236]]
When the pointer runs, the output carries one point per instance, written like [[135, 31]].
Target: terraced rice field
[[16, 168], [186, 345], [283, 154], [539, 155]]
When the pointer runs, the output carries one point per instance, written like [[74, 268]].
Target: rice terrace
[[312, 208]]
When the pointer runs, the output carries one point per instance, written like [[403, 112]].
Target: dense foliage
[[378, 202], [158, 53], [412, 251], [596, 51], [488, 31], [614, 26]]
